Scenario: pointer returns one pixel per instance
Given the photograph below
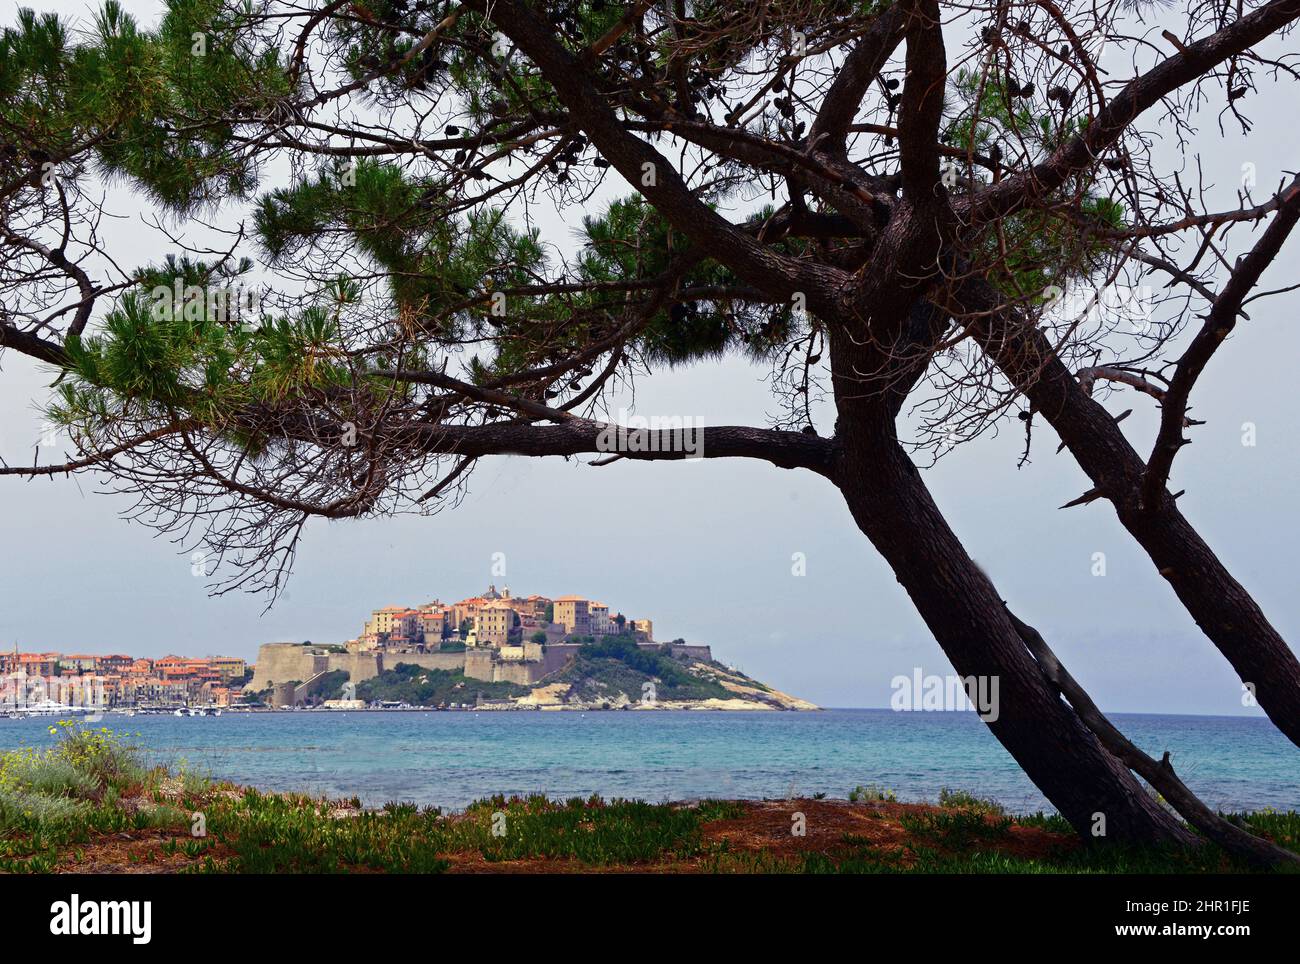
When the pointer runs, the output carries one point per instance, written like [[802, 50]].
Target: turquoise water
[[449, 759]]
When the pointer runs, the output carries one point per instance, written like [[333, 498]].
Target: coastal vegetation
[[616, 665], [93, 803], [408, 683]]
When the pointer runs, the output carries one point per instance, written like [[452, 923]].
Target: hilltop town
[[491, 651], [498, 651]]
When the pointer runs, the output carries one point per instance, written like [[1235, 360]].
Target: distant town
[[494, 638]]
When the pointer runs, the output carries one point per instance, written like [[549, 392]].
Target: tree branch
[[646, 169], [1219, 323], [863, 65], [580, 436], [1083, 150], [921, 109]]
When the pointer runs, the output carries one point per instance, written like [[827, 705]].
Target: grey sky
[[704, 549]]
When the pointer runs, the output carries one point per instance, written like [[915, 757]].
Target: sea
[[449, 759]]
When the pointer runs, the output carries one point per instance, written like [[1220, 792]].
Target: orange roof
[[571, 599]]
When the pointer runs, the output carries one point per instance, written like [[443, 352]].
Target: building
[[466, 609], [84, 679], [572, 613], [497, 624], [643, 626], [391, 621], [598, 616], [115, 663], [38, 664], [227, 667], [344, 704], [435, 623], [77, 663]]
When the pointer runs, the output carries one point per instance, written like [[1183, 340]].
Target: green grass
[[91, 786], [959, 829], [287, 834]]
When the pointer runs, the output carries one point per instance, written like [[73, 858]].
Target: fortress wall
[[478, 664], [358, 666], [283, 662], [557, 656], [447, 661], [515, 671], [695, 652], [283, 694]]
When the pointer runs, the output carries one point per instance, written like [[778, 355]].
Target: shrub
[[961, 800], [872, 794]]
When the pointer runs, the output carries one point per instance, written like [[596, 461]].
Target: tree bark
[[959, 604]]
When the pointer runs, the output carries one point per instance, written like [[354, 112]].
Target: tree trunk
[[1221, 606], [1236, 840], [1061, 756]]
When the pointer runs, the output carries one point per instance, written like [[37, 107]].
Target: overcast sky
[[705, 548]]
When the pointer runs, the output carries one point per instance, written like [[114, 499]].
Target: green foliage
[[157, 353], [413, 684], [131, 96], [631, 241], [616, 664], [329, 686], [592, 831], [435, 263], [1036, 248], [291, 834], [54, 797]]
